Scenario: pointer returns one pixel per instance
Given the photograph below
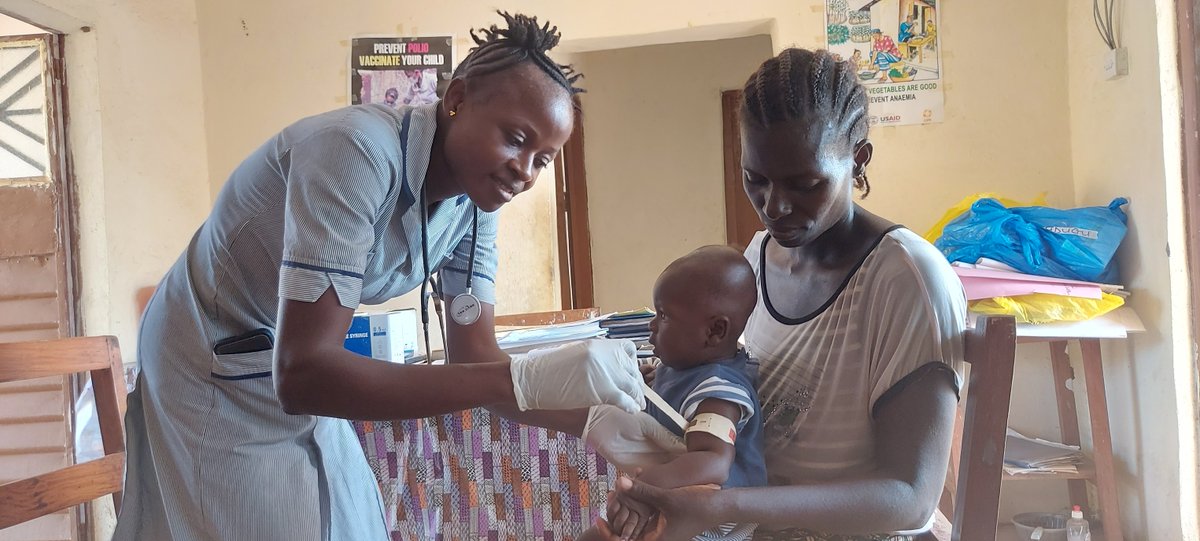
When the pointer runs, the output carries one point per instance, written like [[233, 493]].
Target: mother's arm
[[913, 429]]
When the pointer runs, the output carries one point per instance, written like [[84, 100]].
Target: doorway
[[38, 293], [655, 145]]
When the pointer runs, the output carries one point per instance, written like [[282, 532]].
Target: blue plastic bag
[[1077, 244]]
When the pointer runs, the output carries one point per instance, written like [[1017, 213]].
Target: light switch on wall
[[1116, 63]]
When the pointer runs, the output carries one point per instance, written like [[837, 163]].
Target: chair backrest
[[30, 498], [142, 298], [546, 318], [991, 349]]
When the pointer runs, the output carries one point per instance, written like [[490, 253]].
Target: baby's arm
[[706, 462], [708, 457]]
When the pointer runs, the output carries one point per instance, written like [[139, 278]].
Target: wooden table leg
[[1068, 420], [1106, 483]]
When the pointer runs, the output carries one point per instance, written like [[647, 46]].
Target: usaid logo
[[1076, 231]]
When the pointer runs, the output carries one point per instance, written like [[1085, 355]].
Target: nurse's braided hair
[[811, 85], [497, 49]]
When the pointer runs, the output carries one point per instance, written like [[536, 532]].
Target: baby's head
[[702, 301]]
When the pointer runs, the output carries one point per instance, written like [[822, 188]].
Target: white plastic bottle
[[1077, 526]]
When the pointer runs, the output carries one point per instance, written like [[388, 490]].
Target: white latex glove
[[630, 440], [579, 375]]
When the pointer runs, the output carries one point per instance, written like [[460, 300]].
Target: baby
[[702, 302]]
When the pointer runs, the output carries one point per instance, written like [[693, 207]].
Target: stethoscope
[[465, 308]]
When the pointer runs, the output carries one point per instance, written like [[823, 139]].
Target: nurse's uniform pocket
[[246, 390], [239, 366], [244, 383], [256, 468]]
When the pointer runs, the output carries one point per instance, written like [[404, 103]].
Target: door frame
[[63, 172], [571, 209], [1189, 75], [730, 100], [1189, 78], [742, 221]]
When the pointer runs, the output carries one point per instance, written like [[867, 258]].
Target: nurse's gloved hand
[[631, 441], [579, 375]]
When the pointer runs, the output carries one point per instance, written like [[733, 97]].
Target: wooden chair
[[991, 349], [30, 498], [142, 298]]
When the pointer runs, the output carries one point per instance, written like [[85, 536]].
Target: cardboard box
[[394, 335], [389, 336], [358, 336]]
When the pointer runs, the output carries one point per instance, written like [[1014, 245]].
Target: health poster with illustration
[[895, 48], [400, 71]]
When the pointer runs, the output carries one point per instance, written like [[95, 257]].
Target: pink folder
[[987, 283]]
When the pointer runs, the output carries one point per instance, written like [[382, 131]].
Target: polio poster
[[895, 49], [400, 71]]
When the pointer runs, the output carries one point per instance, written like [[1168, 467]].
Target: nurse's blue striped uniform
[[329, 202]]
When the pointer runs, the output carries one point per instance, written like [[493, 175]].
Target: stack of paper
[[522, 340], [631, 325], [989, 279], [981, 282], [1118, 323], [1025, 455]]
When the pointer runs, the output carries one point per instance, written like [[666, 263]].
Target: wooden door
[[741, 220], [574, 234], [37, 293]]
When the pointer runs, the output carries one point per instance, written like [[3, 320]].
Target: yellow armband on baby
[[717, 425]]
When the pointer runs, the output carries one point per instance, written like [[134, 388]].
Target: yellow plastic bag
[[965, 204], [1047, 308]]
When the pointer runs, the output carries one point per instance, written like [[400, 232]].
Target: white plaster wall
[[10, 26], [1125, 141]]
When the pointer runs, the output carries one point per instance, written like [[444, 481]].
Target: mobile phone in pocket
[[253, 341]]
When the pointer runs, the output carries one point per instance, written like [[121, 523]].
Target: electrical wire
[[1113, 34], [1098, 20], [1103, 18]]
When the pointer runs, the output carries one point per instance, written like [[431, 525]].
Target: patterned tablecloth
[[473, 476]]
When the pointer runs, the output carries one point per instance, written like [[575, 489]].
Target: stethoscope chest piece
[[465, 309]]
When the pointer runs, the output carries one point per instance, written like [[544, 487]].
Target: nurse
[[237, 428]]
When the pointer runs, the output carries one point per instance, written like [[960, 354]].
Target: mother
[[858, 330]]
